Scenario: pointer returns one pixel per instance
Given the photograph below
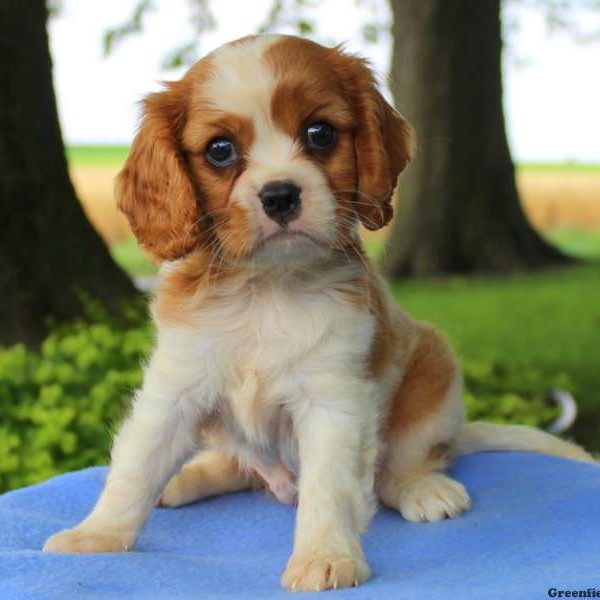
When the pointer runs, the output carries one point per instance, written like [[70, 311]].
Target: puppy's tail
[[480, 436]]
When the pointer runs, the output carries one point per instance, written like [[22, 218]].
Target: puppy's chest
[[261, 348], [273, 330]]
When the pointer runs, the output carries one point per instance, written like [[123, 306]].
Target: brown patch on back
[[430, 371]]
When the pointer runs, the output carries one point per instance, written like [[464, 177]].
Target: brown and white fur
[[279, 353]]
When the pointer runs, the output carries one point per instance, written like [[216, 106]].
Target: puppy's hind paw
[[432, 497], [176, 493]]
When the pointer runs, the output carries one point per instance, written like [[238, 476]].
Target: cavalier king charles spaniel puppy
[[280, 358]]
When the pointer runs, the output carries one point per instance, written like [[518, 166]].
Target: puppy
[[279, 351]]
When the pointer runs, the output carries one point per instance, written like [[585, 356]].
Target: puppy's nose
[[280, 201]]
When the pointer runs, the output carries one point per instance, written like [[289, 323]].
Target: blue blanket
[[534, 525]]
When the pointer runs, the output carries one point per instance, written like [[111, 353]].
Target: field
[[549, 320]]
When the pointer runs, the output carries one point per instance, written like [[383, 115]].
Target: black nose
[[281, 201]]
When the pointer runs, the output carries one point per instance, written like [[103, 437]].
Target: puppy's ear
[[154, 189], [383, 146]]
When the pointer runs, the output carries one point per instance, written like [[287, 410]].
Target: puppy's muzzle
[[280, 201]]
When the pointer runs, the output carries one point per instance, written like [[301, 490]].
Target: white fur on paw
[[82, 539], [306, 573], [432, 497]]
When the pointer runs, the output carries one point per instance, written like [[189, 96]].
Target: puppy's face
[[270, 147]]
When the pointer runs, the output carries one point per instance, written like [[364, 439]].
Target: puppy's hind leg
[[421, 491], [427, 413], [210, 473]]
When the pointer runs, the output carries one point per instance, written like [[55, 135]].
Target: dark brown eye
[[320, 135], [221, 152]]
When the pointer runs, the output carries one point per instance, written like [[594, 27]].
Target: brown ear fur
[[383, 146], [154, 189]]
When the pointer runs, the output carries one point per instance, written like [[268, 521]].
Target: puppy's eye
[[221, 152], [320, 135]]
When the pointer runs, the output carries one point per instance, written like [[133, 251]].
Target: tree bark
[[48, 249], [458, 208]]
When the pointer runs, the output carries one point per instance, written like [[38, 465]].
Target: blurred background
[[496, 237]]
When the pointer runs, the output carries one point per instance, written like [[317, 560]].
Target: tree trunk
[[48, 249], [458, 209]]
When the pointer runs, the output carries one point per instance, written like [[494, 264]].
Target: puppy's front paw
[[82, 539], [316, 572], [432, 497]]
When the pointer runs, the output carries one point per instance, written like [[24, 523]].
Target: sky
[[551, 82]]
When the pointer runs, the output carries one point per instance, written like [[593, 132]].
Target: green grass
[[115, 155], [97, 156], [132, 259], [581, 243], [562, 167]]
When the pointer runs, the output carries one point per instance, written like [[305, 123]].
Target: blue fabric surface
[[535, 524]]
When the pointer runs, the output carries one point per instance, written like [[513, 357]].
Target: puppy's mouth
[[288, 236], [289, 244]]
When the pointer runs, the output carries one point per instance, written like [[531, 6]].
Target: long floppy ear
[[383, 147], [154, 189]]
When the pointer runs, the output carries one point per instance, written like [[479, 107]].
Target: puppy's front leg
[[151, 445], [336, 440]]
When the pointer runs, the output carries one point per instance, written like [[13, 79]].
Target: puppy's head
[[271, 145]]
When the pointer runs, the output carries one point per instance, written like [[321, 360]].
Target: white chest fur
[[255, 347]]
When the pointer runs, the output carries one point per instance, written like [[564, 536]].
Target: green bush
[[60, 405], [502, 394]]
